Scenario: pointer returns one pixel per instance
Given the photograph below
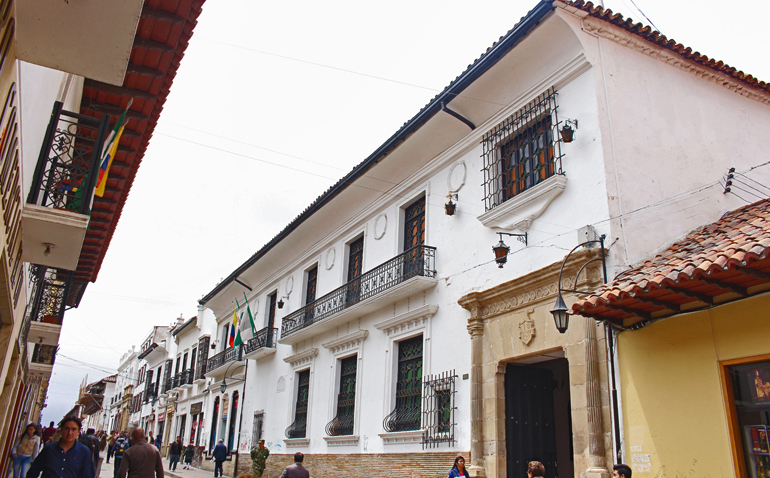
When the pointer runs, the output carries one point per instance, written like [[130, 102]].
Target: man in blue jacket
[[66, 458], [220, 455]]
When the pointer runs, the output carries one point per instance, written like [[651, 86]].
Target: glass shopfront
[[751, 406]]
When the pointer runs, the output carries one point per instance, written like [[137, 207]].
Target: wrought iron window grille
[[438, 415], [416, 261], [522, 151], [344, 421], [256, 429], [407, 413], [298, 428], [50, 288]]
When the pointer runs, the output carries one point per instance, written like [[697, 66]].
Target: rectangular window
[[751, 413], [522, 151], [310, 285], [414, 238], [298, 429], [342, 423], [256, 427], [355, 268], [271, 304], [407, 413]]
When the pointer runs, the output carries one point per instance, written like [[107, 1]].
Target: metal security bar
[[342, 423], [298, 428], [264, 338], [66, 170], [406, 414], [416, 261], [438, 409], [522, 151], [256, 427]]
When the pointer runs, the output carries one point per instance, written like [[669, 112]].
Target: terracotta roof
[[723, 261], [659, 39], [162, 36]]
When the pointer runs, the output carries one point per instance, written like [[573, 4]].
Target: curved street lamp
[[559, 311]]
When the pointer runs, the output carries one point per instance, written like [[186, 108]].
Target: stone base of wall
[[403, 465]]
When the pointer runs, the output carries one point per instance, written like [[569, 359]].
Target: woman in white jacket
[[25, 450]]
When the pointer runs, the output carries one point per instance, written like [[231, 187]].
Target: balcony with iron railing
[[56, 215], [43, 358], [45, 311], [218, 364], [412, 271], [261, 345]]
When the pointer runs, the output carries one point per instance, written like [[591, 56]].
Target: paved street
[[107, 471]]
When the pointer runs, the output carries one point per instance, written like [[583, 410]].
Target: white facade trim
[[347, 343], [302, 359], [405, 323], [399, 438], [346, 440], [520, 211]]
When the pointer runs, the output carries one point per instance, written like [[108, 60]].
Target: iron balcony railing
[[264, 338], [44, 354], [187, 377], [68, 164], [233, 353], [168, 384], [415, 261]]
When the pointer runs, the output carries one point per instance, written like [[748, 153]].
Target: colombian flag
[[104, 168], [233, 326], [110, 149]]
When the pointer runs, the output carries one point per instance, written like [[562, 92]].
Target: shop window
[[751, 413]]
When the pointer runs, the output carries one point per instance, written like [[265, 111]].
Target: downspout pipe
[[458, 116]]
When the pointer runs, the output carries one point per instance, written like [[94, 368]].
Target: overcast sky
[[273, 103]]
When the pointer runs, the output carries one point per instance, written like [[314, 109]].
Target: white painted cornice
[[413, 316], [301, 358], [346, 341]]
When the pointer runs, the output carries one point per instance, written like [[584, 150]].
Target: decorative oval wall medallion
[[289, 285], [455, 180], [331, 255], [380, 226]]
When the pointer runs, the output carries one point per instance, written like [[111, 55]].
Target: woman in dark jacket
[[459, 469]]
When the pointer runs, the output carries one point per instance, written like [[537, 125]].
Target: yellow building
[[693, 351]]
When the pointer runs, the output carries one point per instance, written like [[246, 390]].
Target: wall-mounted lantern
[[560, 310], [501, 250], [568, 130], [451, 207]]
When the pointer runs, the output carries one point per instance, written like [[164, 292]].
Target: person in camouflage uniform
[[259, 456]]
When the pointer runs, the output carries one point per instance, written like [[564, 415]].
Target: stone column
[[597, 467], [476, 329]]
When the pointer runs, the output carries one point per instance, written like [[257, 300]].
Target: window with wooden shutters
[[522, 151]]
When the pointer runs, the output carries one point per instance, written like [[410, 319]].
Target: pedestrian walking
[[90, 440], [174, 452], [296, 470], [48, 433], [65, 458], [110, 444], [259, 456], [158, 442], [220, 455], [189, 451], [458, 470], [142, 460], [120, 447], [25, 450]]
